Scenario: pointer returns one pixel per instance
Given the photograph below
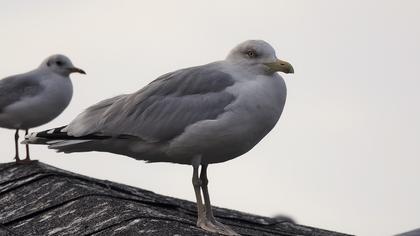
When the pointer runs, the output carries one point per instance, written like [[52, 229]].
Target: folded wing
[[161, 110], [16, 88]]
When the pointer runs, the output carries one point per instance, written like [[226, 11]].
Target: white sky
[[345, 154]]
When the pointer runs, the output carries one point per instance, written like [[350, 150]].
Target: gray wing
[[163, 109], [14, 88]]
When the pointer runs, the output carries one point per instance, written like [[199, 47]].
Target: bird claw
[[216, 227]]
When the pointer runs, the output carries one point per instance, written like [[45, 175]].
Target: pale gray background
[[345, 153]]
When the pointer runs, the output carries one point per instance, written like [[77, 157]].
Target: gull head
[[258, 55], [60, 64]]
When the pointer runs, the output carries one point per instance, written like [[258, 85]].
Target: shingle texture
[[415, 232], [38, 199]]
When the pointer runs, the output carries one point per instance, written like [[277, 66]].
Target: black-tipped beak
[[280, 65], [77, 70]]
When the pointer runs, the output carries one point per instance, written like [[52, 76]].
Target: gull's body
[[53, 95], [34, 98], [246, 114], [196, 116]]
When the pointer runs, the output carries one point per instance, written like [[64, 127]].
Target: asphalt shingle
[[38, 199]]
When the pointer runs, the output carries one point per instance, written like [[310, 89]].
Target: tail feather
[[64, 143], [60, 140]]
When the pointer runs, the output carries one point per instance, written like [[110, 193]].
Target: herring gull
[[196, 116]]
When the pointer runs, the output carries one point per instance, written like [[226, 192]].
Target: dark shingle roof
[[38, 199], [415, 232]]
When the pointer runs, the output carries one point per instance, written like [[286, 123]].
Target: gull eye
[[59, 63], [251, 53]]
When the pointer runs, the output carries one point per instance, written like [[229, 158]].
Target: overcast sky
[[345, 154]]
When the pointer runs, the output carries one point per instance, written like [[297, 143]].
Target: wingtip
[[31, 139]]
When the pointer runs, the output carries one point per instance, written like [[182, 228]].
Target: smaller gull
[[34, 98], [195, 116]]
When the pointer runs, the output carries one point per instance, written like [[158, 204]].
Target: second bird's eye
[[59, 63], [251, 53]]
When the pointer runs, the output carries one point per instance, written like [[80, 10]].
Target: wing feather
[[14, 88], [161, 110]]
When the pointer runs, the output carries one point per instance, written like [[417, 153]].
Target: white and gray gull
[[36, 97], [196, 116]]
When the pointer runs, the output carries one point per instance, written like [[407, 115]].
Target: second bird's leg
[[205, 218], [201, 215], [204, 183], [202, 220], [27, 148], [17, 146], [223, 229]]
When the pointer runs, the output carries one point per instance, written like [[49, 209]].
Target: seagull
[[34, 98], [195, 116]]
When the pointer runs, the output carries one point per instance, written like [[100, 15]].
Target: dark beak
[[77, 70]]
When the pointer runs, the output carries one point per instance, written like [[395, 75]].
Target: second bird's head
[[61, 64], [258, 56]]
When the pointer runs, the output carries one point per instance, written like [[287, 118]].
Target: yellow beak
[[280, 65]]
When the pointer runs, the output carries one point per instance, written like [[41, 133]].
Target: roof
[[415, 232], [39, 199]]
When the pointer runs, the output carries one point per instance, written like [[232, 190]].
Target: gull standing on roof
[[36, 97], [195, 116]]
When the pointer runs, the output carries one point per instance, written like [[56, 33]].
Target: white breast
[[257, 108]]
